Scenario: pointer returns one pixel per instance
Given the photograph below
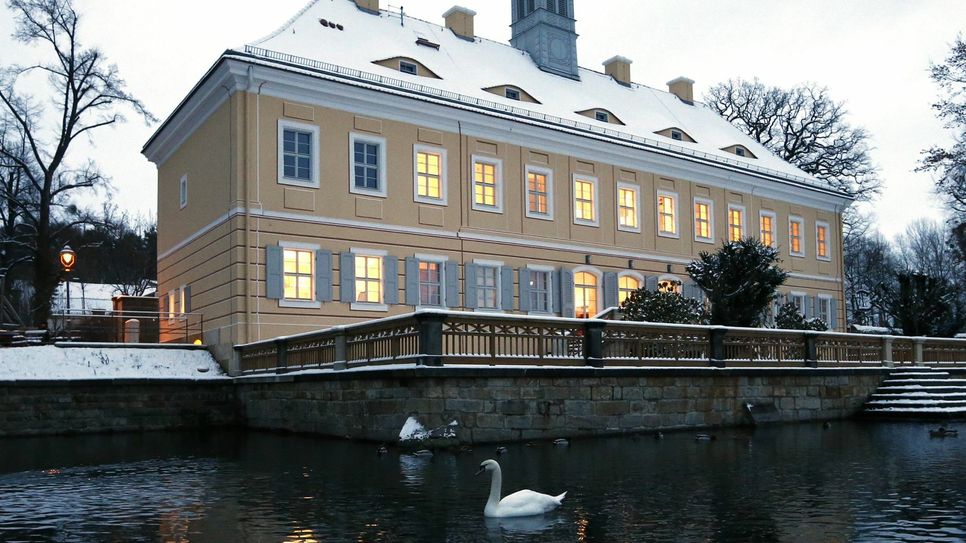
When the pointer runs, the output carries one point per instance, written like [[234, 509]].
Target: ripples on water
[[853, 482]]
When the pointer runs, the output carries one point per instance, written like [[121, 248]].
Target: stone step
[[921, 376], [918, 388], [919, 413], [957, 382], [912, 402], [920, 396]]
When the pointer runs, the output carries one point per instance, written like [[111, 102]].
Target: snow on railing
[[452, 338]]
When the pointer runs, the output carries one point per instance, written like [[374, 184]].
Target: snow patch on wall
[[50, 363]]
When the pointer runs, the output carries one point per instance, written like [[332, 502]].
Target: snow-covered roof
[[84, 296], [356, 39]]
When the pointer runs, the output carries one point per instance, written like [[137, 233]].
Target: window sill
[[368, 192], [824, 258], [591, 224], [796, 255], [709, 241], [539, 217], [299, 183], [380, 308], [430, 201], [490, 311], [669, 235], [629, 229], [299, 304], [487, 209]]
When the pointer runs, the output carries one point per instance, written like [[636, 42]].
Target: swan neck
[[496, 484]]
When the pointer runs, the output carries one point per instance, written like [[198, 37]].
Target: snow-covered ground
[[74, 363]]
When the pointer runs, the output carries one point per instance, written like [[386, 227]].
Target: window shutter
[[273, 272], [323, 276], [163, 305], [347, 278], [810, 307], [524, 275], [390, 267], [187, 299], [610, 290], [565, 291], [452, 285], [412, 281], [469, 285], [833, 314], [651, 283], [506, 288]]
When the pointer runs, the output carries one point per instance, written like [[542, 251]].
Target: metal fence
[[113, 326], [435, 338]]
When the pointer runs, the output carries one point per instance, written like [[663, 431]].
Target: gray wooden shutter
[[469, 285], [810, 307], [566, 292], [833, 314], [524, 275], [412, 281], [506, 288], [187, 299], [323, 276], [347, 278], [651, 283], [390, 266], [452, 285], [273, 272], [610, 290]]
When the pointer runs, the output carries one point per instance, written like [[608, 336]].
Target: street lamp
[[67, 260]]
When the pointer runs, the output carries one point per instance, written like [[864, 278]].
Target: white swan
[[524, 503]]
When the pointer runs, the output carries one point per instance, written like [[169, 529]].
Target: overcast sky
[[872, 54]]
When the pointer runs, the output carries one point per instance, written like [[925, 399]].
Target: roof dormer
[[676, 134], [512, 92], [407, 65], [601, 115], [739, 150]]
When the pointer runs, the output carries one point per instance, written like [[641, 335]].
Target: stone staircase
[[918, 393]]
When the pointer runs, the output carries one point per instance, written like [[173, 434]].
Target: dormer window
[[602, 116], [512, 94], [677, 135], [408, 68], [739, 151]]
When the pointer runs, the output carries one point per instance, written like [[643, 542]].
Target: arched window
[[585, 294], [627, 284], [669, 283]]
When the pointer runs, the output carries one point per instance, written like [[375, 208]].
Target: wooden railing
[[435, 338]]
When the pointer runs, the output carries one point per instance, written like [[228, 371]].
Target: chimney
[[619, 68], [683, 88], [370, 6], [460, 21]]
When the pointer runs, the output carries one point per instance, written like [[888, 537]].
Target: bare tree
[[927, 248], [870, 269], [86, 94], [803, 126], [950, 163]]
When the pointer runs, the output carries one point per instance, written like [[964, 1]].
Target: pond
[[875, 482]]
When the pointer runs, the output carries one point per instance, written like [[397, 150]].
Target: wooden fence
[[435, 338]]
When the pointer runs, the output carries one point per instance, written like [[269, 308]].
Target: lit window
[[486, 185], [183, 192], [585, 201], [297, 154], [602, 116], [703, 229], [824, 309], [821, 241], [538, 193], [429, 176], [585, 295], [408, 68], [669, 285], [766, 221], [298, 274], [369, 279], [627, 284], [430, 284], [667, 214], [539, 291], [795, 227], [628, 216], [488, 287], [736, 223], [513, 94]]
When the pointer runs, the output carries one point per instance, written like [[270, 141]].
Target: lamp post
[[67, 260]]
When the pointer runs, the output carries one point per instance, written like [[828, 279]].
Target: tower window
[[562, 7]]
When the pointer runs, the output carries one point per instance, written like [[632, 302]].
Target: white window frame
[[677, 214], [301, 304], [498, 177], [183, 191], [710, 203], [369, 306], [826, 300], [670, 277], [172, 311], [801, 296], [828, 241], [600, 280], [801, 235], [436, 259], [382, 191], [442, 200], [497, 266], [637, 206], [551, 272], [744, 220], [640, 279], [774, 220], [548, 173], [573, 190], [284, 124]]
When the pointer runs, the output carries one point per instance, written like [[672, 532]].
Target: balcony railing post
[[430, 338], [716, 347], [887, 359], [281, 355], [341, 361], [917, 357], [811, 351], [594, 343]]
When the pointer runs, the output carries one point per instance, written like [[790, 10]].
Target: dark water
[[852, 482]]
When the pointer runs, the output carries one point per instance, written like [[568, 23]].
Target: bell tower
[[547, 30]]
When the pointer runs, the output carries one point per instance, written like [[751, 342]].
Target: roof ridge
[[287, 23]]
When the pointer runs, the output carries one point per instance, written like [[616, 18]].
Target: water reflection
[[853, 482]]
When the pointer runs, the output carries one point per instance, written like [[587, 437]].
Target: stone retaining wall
[[507, 404], [68, 407]]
